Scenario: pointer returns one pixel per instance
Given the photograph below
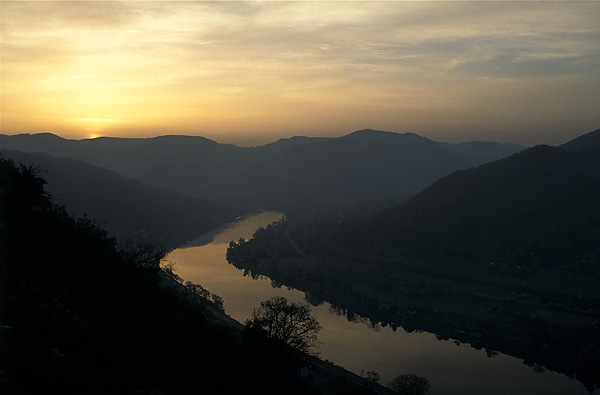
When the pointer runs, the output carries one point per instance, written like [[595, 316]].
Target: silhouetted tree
[[75, 311], [144, 255], [410, 384], [371, 376], [290, 323]]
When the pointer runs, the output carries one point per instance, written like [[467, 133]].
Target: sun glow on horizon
[[256, 69]]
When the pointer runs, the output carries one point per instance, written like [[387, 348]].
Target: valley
[[501, 257]]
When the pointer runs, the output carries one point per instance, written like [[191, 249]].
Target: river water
[[357, 346]]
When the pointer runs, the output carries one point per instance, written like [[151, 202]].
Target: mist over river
[[450, 367]]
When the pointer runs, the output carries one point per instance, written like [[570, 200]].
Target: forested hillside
[[538, 208], [294, 173], [78, 316], [129, 210], [504, 256]]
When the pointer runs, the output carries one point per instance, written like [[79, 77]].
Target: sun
[[93, 128]]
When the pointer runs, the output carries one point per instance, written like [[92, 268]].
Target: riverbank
[[548, 326], [362, 344]]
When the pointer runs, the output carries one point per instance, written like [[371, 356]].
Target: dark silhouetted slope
[[364, 165], [128, 209], [193, 166], [289, 173], [77, 317], [587, 141], [479, 152], [280, 146], [504, 256], [536, 208]]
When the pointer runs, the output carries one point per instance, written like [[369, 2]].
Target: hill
[[584, 142], [287, 174], [129, 210], [360, 166], [78, 316], [537, 208], [504, 256], [192, 166]]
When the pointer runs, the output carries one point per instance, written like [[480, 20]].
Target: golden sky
[[251, 72]]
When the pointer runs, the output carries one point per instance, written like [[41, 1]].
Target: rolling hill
[[286, 174], [536, 208], [504, 256], [79, 316], [129, 210]]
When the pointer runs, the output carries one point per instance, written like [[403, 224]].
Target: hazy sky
[[251, 72]]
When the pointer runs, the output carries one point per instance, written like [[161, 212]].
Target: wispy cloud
[[297, 67]]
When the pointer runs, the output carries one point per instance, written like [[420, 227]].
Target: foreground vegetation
[[128, 210], [81, 316]]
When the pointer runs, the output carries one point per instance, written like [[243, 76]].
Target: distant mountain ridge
[[587, 141], [535, 208], [366, 164]]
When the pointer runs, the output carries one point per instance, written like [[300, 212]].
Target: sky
[[249, 73]]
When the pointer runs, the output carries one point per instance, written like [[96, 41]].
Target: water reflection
[[357, 343]]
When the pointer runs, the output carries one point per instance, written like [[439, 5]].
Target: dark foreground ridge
[[80, 316]]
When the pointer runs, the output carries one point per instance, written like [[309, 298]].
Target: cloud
[[395, 64]]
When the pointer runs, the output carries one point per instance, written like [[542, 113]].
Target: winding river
[[450, 368]]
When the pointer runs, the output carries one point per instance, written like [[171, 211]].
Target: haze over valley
[[343, 197], [360, 166], [470, 223]]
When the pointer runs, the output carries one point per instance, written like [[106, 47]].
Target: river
[[450, 368]]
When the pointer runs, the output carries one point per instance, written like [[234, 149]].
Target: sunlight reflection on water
[[450, 368]]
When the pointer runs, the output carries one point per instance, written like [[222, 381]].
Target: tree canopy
[[291, 323], [410, 384], [80, 316]]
